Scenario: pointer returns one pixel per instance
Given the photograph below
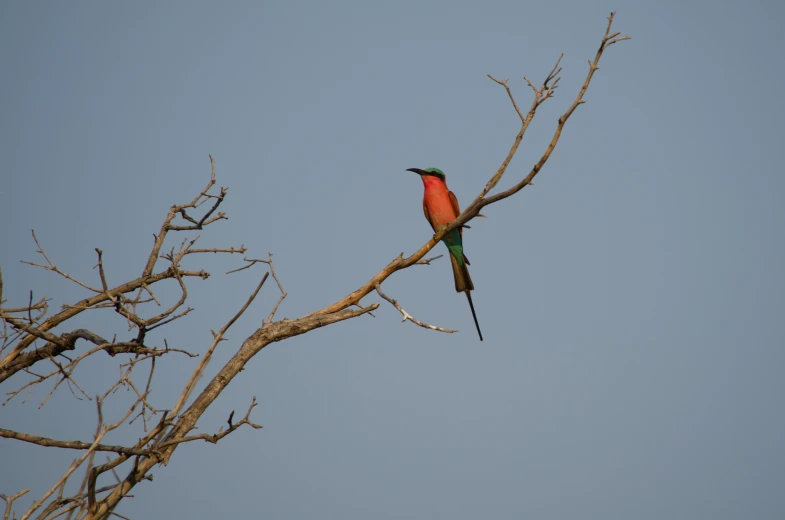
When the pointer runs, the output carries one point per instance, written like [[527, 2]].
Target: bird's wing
[[457, 209], [455, 206], [427, 215]]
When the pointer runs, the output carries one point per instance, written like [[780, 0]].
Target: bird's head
[[429, 172]]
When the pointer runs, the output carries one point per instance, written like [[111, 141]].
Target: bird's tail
[[474, 315], [463, 283]]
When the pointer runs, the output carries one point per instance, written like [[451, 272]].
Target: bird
[[441, 207]]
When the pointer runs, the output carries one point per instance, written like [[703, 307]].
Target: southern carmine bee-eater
[[441, 207]]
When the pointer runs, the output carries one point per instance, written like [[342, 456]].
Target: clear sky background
[[632, 301]]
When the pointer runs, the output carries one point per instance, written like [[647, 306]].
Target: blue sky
[[631, 301]]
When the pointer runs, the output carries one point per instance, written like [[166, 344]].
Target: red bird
[[441, 207]]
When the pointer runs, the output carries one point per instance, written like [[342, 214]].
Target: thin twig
[[280, 288], [427, 261], [53, 267], [407, 316], [217, 338], [214, 438], [9, 502], [74, 466]]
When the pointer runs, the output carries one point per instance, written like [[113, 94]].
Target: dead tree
[[32, 353]]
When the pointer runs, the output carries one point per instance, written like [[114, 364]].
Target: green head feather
[[437, 172]]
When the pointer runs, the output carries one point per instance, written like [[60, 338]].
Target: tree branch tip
[[502, 83]]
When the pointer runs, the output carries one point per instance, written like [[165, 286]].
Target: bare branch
[[407, 316], [78, 462], [427, 261], [53, 267], [173, 211], [51, 350], [251, 263], [33, 331], [221, 433], [509, 93], [40, 306], [101, 273], [9, 501], [280, 288], [66, 376], [217, 338], [205, 220], [540, 96], [89, 303], [230, 250], [363, 308]]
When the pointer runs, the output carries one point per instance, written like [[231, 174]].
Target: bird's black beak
[[417, 171]]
